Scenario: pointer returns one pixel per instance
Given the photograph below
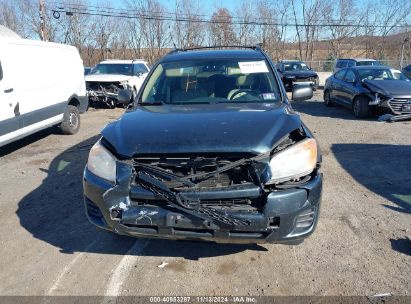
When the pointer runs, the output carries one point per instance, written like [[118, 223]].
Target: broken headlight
[[102, 163], [293, 162]]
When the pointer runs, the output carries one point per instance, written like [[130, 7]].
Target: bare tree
[[246, 28], [188, 30], [338, 16], [221, 28], [272, 28], [311, 14]]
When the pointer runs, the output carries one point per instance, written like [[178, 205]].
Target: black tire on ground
[[327, 99], [360, 107], [71, 120]]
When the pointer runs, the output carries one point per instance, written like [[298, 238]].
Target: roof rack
[[257, 47]]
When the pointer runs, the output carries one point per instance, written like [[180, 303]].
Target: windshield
[[376, 74], [112, 68], [295, 66], [211, 81], [364, 63]]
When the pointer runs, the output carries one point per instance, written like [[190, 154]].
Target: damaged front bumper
[[106, 93], [128, 208]]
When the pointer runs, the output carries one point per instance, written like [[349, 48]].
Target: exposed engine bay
[[104, 92]]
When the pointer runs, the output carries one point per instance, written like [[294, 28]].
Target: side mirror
[[124, 96], [302, 92]]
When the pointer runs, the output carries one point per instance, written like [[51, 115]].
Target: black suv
[[297, 73], [210, 149]]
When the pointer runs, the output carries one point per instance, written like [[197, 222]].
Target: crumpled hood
[[106, 77], [229, 128], [397, 88], [300, 74]]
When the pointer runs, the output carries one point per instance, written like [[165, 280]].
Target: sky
[[208, 5]]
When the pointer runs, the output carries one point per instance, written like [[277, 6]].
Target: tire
[[71, 121], [327, 99], [360, 107]]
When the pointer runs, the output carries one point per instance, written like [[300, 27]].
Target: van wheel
[[361, 108], [71, 121]]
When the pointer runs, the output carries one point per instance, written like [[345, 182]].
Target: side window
[[349, 76], [139, 68], [350, 64], [340, 74], [1, 72]]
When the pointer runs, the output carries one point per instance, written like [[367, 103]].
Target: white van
[[41, 85]]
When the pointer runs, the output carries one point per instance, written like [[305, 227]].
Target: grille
[[400, 105], [304, 79], [112, 87], [184, 167]]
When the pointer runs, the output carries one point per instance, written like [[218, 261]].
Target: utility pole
[[42, 13]]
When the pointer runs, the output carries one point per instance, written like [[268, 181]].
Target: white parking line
[[123, 268], [67, 268]]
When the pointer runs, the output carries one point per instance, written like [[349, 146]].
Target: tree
[[221, 28], [188, 33]]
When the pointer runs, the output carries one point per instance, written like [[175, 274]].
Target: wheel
[[327, 99], [360, 107], [71, 120]]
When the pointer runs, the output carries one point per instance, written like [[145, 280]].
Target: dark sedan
[[368, 89], [296, 73]]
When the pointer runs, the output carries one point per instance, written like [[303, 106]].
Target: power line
[[197, 18]]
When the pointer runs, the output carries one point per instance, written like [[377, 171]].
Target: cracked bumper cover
[[278, 222]]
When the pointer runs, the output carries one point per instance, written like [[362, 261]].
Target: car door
[[348, 87], [336, 86], [140, 72], [9, 112]]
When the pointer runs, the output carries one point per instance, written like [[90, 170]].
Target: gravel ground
[[360, 247]]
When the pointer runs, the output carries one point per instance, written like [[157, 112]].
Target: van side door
[[9, 107]]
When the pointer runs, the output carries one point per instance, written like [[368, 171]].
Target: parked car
[[353, 62], [367, 88], [87, 70], [397, 74], [210, 149], [34, 94], [109, 76], [407, 71], [296, 73]]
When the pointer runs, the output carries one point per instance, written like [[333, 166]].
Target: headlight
[[378, 98], [126, 85], [101, 162], [293, 162]]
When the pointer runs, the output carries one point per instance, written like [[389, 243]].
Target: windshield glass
[[376, 74], [295, 66], [211, 81], [364, 63], [112, 68]]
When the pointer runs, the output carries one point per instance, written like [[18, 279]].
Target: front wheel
[[360, 107], [71, 120], [327, 99]]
